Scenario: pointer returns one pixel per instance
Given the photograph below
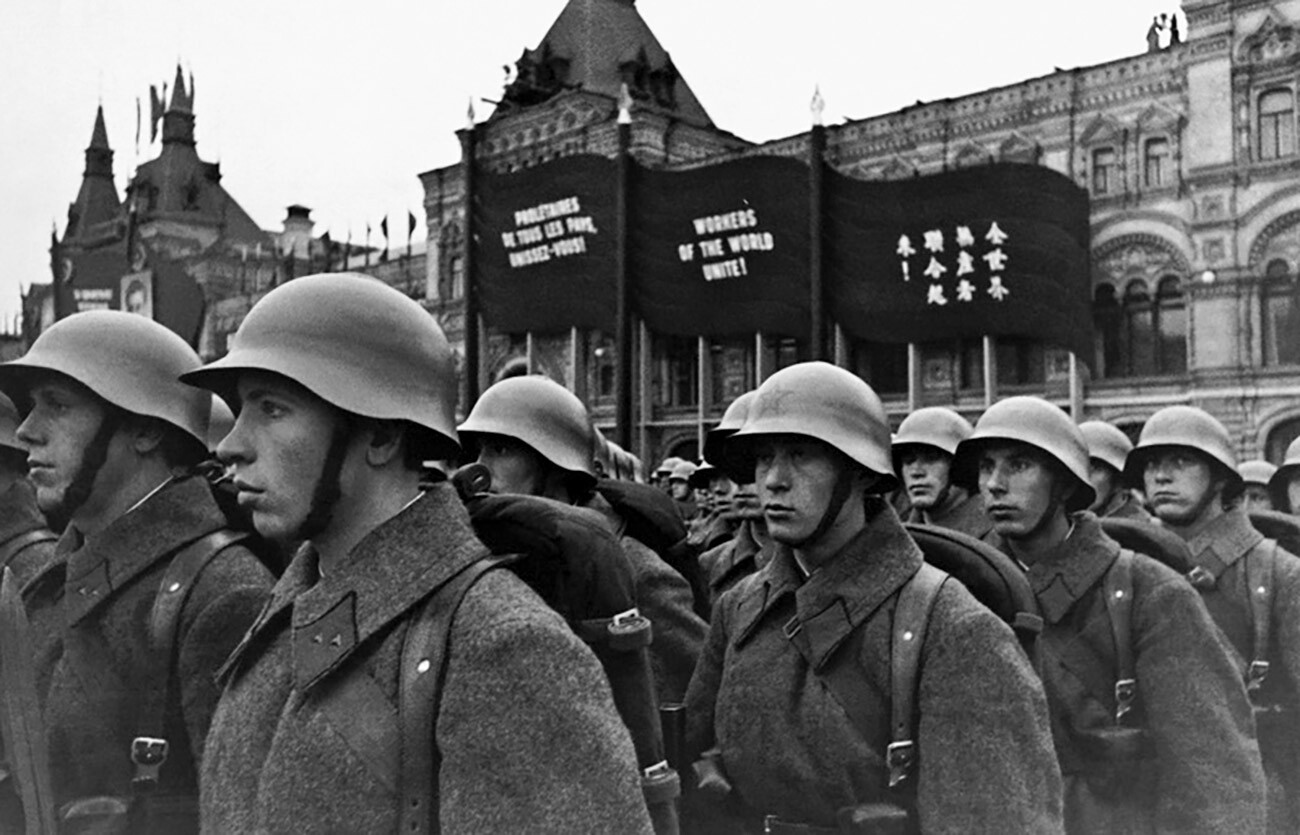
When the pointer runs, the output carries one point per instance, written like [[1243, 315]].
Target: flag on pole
[[137, 125], [410, 231], [383, 229], [156, 105], [367, 249]]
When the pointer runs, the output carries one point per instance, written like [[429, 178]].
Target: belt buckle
[[900, 757], [1255, 676], [148, 753], [1125, 693]]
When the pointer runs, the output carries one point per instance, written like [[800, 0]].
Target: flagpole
[[622, 308], [469, 142], [1076, 389], [816, 157], [913, 376]]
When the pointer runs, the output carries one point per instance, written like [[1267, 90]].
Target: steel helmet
[[1107, 443], [818, 400], [1257, 471], [541, 413], [704, 474], [220, 422], [355, 343], [683, 472], [732, 419], [1189, 428], [1042, 425], [1290, 466], [666, 468], [933, 426], [9, 421], [127, 360]]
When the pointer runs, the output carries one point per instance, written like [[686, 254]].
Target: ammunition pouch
[[1114, 760], [114, 815]]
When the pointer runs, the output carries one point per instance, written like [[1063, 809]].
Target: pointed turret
[[97, 201], [178, 120], [598, 46]]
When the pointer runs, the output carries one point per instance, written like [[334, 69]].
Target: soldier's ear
[[385, 443], [146, 434]]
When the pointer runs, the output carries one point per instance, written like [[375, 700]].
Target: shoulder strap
[[150, 747], [18, 543], [425, 651], [911, 619], [1259, 591], [1118, 594]]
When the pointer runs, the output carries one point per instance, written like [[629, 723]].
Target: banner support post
[[913, 377], [529, 364], [701, 392], [622, 309], [469, 142], [990, 371], [1076, 389], [816, 156]]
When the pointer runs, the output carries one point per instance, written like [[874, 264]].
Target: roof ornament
[[624, 105], [817, 106]]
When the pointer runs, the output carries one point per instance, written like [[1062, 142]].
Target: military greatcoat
[[790, 750], [1240, 558], [664, 596], [26, 545], [90, 610], [961, 511], [1197, 769], [726, 564], [528, 734]]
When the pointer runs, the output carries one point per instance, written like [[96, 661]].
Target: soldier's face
[[1256, 497], [517, 469], [927, 473], [679, 489], [64, 420], [1019, 487], [276, 452], [1104, 480], [1181, 485], [796, 478]]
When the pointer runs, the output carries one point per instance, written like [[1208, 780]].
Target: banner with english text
[[722, 250]]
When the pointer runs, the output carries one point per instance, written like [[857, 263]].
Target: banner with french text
[[721, 250], [545, 240], [993, 250]]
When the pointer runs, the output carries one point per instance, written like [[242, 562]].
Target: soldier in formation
[[145, 596], [1186, 461], [1140, 682], [399, 676]]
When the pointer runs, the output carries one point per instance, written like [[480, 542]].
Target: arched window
[[1171, 327], [1281, 303], [1106, 323], [1276, 124], [1280, 438], [1138, 352]]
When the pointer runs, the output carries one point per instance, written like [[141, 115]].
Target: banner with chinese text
[[995, 250], [721, 250], [545, 243]]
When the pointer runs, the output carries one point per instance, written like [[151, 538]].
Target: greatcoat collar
[[390, 570], [832, 602], [1061, 579], [1224, 541], [94, 567]]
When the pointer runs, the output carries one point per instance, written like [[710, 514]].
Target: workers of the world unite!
[[746, 239]]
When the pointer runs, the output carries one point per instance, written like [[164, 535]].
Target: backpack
[[653, 520], [574, 563]]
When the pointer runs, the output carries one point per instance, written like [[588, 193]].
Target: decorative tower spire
[[99, 157], [97, 200], [178, 121]]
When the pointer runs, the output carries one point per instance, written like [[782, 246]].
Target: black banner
[[721, 250], [995, 250], [545, 242]]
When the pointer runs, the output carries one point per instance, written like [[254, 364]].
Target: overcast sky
[[339, 105]]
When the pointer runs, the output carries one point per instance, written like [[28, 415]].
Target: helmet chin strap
[[839, 495], [92, 461], [328, 488]]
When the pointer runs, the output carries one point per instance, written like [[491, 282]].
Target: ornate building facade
[[1189, 153]]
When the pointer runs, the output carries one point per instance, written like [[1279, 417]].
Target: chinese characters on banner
[[958, 255]]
